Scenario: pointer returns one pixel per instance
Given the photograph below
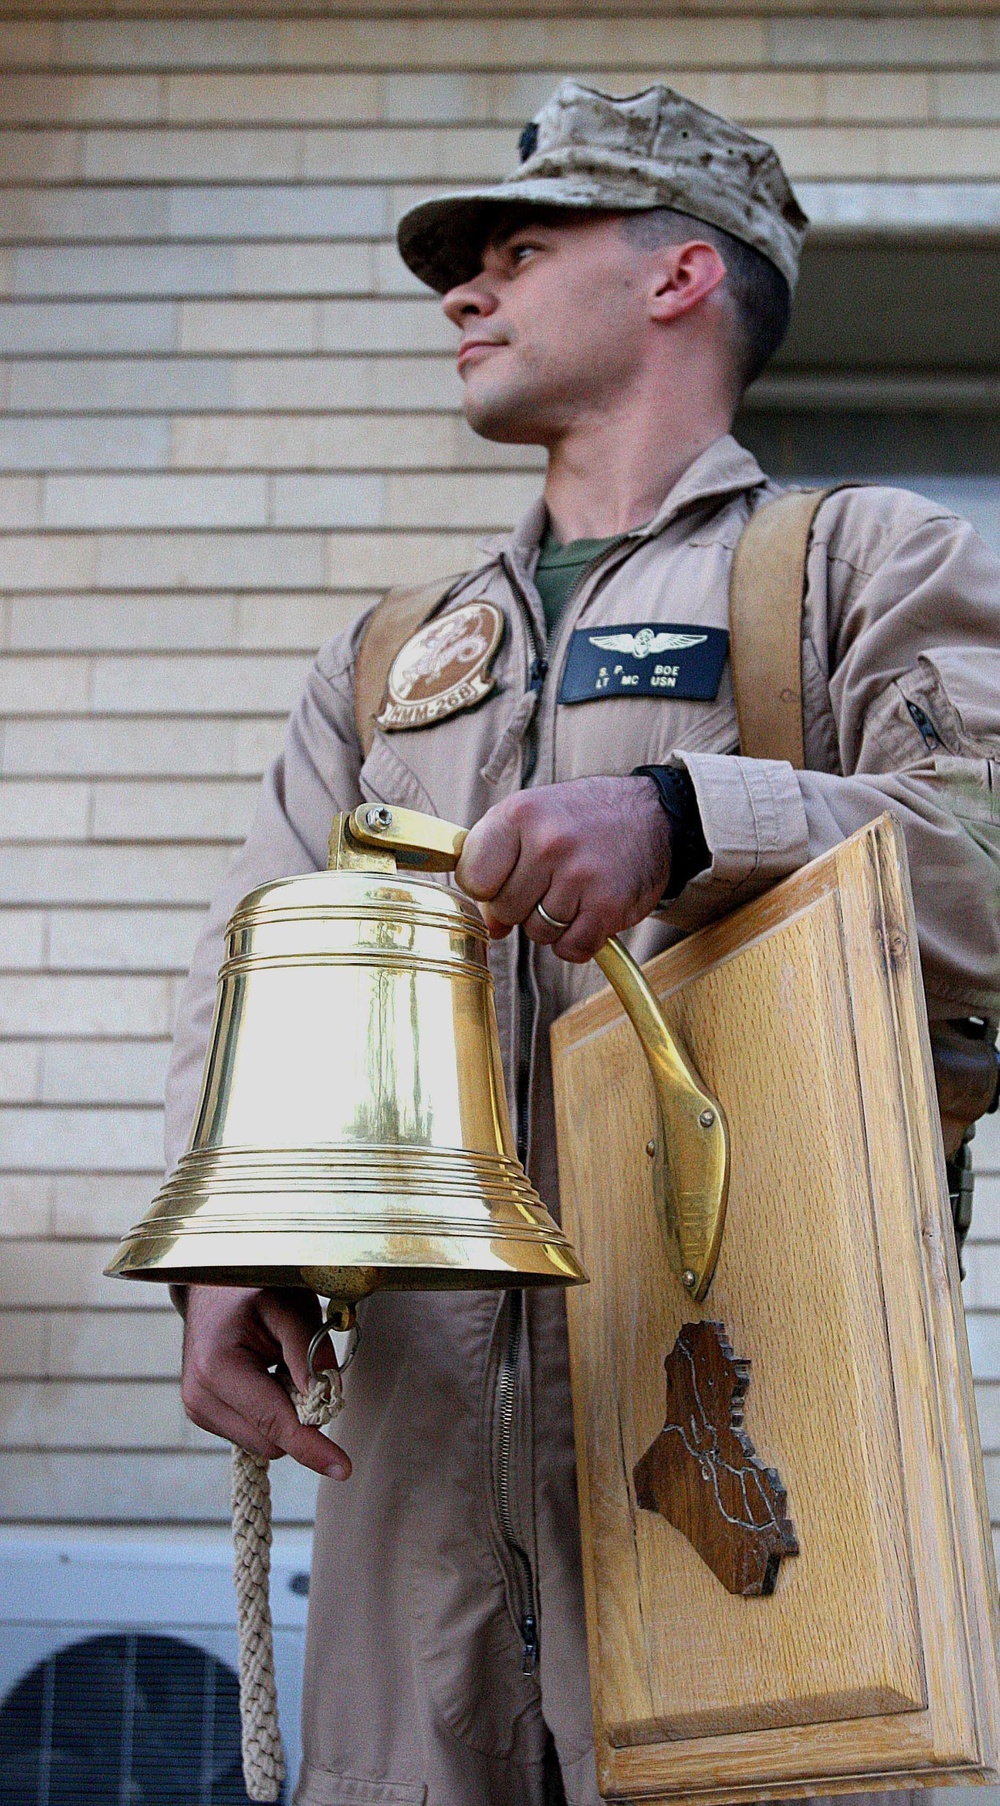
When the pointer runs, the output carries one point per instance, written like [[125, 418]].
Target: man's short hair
[[761, 297]]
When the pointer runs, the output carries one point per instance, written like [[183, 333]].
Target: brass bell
[[353, 1132]]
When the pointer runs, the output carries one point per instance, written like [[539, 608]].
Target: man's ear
[[684, 277]]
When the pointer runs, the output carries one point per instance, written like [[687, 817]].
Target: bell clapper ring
[[341, 1317], [553, 921]]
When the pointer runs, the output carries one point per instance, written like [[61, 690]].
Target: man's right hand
[[231, 1338]]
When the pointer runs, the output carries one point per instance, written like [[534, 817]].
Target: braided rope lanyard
[[263, 1756]]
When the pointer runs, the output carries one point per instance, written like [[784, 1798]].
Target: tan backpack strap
[[766, 590], [391, 623]]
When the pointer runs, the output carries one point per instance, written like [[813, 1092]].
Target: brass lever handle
[[691, 1145], [690, 1149]]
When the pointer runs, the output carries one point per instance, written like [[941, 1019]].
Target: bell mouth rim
[[357, 887]]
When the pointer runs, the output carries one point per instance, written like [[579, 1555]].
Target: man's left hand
[[595, 853]]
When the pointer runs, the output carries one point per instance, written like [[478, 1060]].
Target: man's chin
[[502, 420]]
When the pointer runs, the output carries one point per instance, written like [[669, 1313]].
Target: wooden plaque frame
[[873, 1664]]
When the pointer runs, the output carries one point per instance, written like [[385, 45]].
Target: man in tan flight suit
[[612, 297]]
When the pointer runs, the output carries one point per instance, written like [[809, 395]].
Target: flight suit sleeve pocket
[[940, 707]]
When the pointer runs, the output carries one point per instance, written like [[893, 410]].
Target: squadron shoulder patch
[[443, 668]]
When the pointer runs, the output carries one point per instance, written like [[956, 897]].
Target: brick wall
[[231, 418]]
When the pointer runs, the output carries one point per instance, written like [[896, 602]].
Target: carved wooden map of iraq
[[702, 1472]]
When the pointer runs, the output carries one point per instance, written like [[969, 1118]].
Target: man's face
[[552, 327]]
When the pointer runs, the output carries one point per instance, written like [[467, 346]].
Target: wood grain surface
[[875, 1656]]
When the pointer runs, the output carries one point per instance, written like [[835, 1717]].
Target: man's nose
[[469, 300]]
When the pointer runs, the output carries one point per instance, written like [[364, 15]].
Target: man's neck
[[606, 477]]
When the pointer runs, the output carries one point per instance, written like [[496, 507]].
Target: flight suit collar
[[724, 468]]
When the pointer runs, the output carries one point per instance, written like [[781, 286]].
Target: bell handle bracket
[[690, 1150], [375, 837]]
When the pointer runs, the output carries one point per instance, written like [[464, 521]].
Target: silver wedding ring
[[552, 921]]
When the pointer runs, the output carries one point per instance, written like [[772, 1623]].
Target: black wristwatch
[[689, 848]]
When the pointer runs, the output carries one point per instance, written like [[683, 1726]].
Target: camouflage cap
[[587, 151]]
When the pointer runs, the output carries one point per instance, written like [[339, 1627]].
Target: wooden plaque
[[872, 1662]]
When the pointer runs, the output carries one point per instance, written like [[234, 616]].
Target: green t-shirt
[[560, 568]]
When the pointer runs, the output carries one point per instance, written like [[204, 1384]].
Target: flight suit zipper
[[506, 1399], [522, 1575]]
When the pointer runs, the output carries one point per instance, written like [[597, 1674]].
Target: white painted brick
[[20, 501], [330, 501], [332, 441], [92, 1205], [136, 940], [878, 42], [981, 1288], [122, 271], [424, 154], [20, 1072], [249, 325], [28, 44], [236, 683], [43, 811], [101, 1072], [381, 559], [267, 622], [137, 747], [58, 386], [48, 1003], [34, 215], [466, 499], [105, 1205], [40, 156], [391, 383], [205, 810], [182, 560], [991, 1463], [26, 1208], [82, 623], [389, 325], [40, 326], [390, 275], [272, 99], [983, 1329], [66, 1414], [60, 1140], [155, 501], [61, 443], [24, 1344], [986, 1146], [113, 875], [274, 210], [988, 1412], [90, 1345], [121, 43], [968, 94], [50, 561], [986, 1211], [515, 43], [855, 96], [36, 685], [136, 1487], [304, 269], [167, 155], [69, 1275], [58, 99], [114, 1345], [23, 938]]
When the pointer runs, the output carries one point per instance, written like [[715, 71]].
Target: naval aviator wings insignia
[[443, 668], [670, 660]]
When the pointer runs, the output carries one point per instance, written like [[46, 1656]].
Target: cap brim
[[442, 240]]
